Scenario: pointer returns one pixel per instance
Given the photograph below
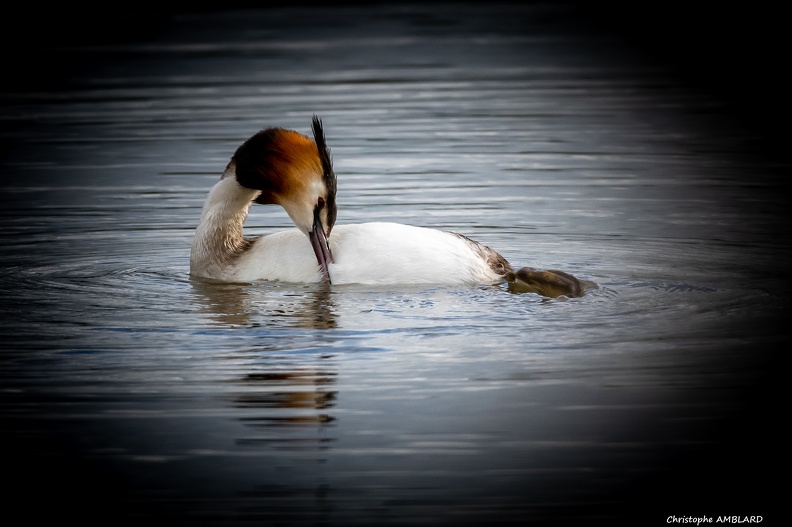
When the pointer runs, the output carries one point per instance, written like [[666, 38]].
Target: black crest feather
[[327, 168]]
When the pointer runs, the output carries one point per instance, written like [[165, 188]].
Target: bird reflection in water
[[293, 392], [283, 393], [287, 409], [267, 304], [295, 398]]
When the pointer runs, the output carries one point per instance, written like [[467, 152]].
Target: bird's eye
[[320, 203]]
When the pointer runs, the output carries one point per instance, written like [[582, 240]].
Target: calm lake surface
[[129, 391]]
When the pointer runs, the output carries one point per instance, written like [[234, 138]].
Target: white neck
[[218, 238]]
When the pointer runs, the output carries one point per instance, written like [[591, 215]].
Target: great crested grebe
[[284, 167]]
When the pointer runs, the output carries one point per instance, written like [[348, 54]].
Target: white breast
[[368, 253], [284, 256], [393, 253]]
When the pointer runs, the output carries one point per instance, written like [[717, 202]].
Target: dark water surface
[[129, 391]]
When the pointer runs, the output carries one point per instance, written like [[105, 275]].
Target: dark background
[[736, 53]]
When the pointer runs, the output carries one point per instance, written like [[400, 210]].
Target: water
[[130, 391]]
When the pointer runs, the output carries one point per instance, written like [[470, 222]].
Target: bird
[[278, 166]]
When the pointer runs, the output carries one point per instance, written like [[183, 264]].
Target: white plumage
[[283, 167], [365, 253], [368, 253]]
